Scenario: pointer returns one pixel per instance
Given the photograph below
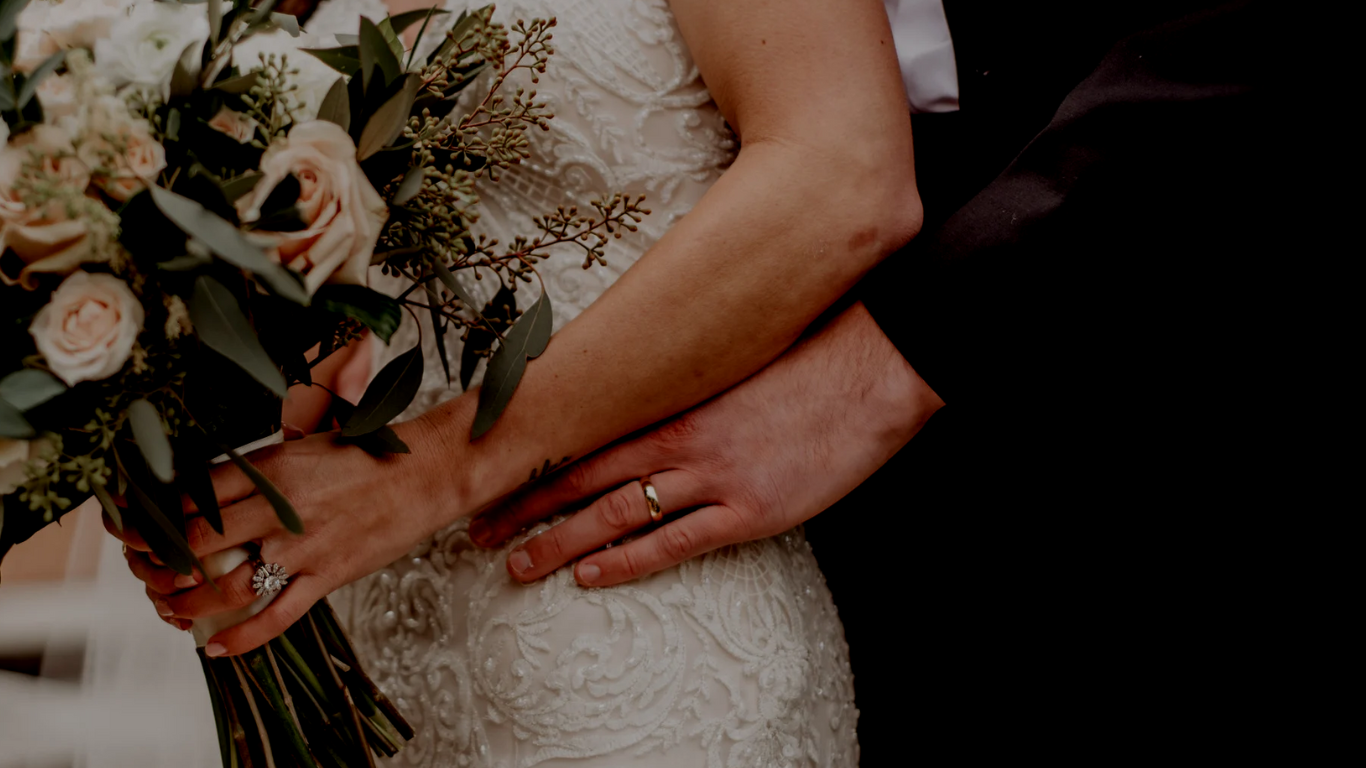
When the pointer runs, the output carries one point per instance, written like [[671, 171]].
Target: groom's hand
[[751, 463]]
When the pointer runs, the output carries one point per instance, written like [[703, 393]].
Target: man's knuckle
[[677, 541], [618, 513], [632, 566]]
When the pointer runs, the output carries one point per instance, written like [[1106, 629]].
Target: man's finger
[[683, 538], [581, 480], [289, 606], [603, 522]]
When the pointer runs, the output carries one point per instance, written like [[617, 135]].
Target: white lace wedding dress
[[733, 659]]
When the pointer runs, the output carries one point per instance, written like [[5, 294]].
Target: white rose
[[314, 78], [86, 331], [342, 211], [46, 27], [143, 47]]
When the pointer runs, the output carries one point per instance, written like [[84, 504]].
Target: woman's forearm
[[733, 284]]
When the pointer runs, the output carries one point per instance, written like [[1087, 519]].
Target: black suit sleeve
[[1115, 237]]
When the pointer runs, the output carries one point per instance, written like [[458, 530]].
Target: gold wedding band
[[651, 499]]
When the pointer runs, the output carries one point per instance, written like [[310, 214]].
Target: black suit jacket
[[1089, 296]]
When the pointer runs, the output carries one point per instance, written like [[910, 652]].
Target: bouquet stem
[[302, 701]]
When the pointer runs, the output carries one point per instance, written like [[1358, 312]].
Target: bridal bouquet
[[189, 209]]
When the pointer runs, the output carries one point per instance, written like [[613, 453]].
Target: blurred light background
[[89, 676]]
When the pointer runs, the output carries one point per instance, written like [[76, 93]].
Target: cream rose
[[235, 124], [342, 211], [86, 332], [46, 239], [143, 47], [132, 157]]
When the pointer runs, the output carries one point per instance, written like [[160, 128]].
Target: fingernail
[[479, 531], [163, 608], [588, 573], [182, 581], [214, 649], [520, 561]]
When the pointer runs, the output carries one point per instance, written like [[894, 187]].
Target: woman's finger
[[288, 607], [248, 520], [583, 479], [681, 539], [234, 591], [159, 603], [158, 578], [603, 522]]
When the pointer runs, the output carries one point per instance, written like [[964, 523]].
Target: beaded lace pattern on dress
[[734, 659]]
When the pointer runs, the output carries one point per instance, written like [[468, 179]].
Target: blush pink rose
[[341, 209], [87, 330]]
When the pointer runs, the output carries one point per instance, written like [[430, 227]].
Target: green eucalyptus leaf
[[381, 442], [173, 124], [183, 82], [526, 340], [236, 187], [107, 501], [417, 41], [228, 242], [30, 388], [187, 263], [150, 436], [220, 325], [13, 424], [391, 37], [376, 311], [345, 59], [388, 395], [164, 537], [479, 341], [31, 83], [439, 328], [9, 17], [410, 186], [375, 53], [402, 21], [348, 40], [193, 476], [6, 91], [289, 518], [336, 106], [388, 121], [238, 85]]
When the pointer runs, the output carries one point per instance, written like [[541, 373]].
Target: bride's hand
[[751, 463], [353, 525]]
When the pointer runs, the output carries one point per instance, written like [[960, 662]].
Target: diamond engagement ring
[[269, 579]]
